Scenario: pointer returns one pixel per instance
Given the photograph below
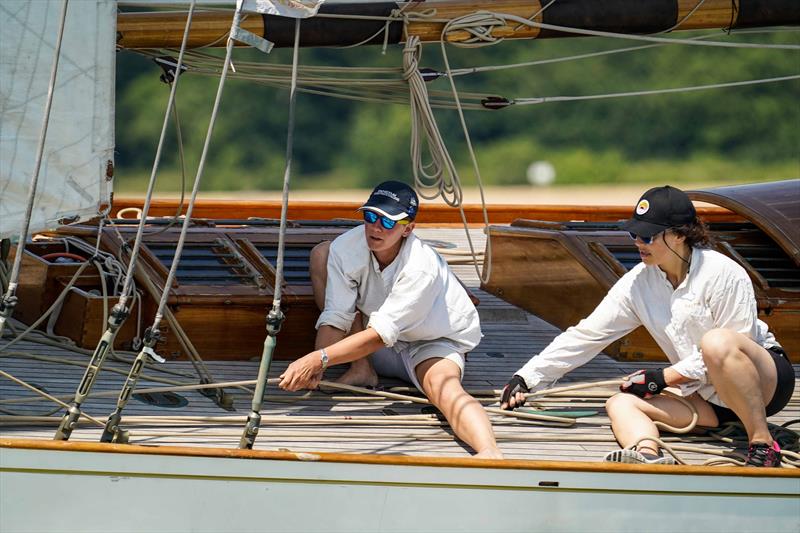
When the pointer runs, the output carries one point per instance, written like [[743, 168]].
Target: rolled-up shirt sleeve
[[613, 318], [694, 368], [341, 293], [413, 291]]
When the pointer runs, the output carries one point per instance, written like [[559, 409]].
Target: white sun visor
[[77, 163]]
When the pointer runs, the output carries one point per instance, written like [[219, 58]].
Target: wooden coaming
[[774, 207], [224, 316], [221, 209], [565, 286]]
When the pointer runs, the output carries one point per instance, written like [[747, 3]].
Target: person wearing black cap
[[391, 306], [699, 306]]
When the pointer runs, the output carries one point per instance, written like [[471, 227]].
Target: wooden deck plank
[[511, 336]]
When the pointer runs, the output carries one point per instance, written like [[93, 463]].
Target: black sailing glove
[[645, 383], [515, 384]]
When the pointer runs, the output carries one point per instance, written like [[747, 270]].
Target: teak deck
[[511, 336]]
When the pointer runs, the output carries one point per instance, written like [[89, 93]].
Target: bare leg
[[744, 376], [318, 269], [441, 383], [632, 418], [361, 373]]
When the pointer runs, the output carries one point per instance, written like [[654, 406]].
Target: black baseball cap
[[659, 209], [394, 200]]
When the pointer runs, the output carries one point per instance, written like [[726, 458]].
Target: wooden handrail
[[397, 460], [428, 214]]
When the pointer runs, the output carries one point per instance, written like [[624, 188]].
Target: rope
[[616, 382], [57, 303], [49, 397], [686, 17], [439, 176], [415, 399], [672, 445], [477, 23], [492, 68]]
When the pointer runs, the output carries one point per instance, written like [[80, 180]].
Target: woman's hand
[[304, 373], [644, 383], [513, 393]]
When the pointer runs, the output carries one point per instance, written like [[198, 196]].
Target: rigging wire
[[548, 99], [315, 80], [182, 159], [491, 68], [498, 19], [9, 299], [275, 316], [120, 311]]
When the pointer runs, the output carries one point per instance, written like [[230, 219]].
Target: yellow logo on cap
[[643, 207]]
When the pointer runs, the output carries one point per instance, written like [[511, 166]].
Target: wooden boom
[[165, 29]]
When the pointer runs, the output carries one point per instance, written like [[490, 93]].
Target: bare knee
[[717, 344], [620, 403], [318, 270], [436, 377]]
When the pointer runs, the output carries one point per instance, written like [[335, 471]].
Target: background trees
[[740, 134]]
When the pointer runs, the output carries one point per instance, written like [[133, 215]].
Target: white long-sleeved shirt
[[716, 293], [416, 298]]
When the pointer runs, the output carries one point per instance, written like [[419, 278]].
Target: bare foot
[[490, 453], [360, 374]]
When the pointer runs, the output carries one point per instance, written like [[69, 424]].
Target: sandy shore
[[572, 195]]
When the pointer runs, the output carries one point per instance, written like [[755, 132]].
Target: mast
[[338, 25]]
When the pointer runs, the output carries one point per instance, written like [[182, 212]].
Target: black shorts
[[783, 389]]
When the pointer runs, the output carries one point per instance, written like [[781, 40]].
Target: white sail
[[74, 181], [284, 8]]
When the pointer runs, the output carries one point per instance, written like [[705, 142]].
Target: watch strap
[[323, 357]]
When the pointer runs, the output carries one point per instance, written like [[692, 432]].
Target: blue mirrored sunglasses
[[370, 217], [646, 240]]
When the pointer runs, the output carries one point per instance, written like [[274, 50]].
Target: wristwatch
[[323, 357]]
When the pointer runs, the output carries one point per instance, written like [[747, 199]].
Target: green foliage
[[737, 134]]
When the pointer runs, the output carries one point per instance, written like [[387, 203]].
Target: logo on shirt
[[643, 207]]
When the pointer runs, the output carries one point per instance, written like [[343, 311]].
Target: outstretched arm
[[306, 372], [613, 318]]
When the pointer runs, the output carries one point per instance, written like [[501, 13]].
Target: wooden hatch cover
[[773, 206]]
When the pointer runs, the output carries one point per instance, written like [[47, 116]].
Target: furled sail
[[75, 180]]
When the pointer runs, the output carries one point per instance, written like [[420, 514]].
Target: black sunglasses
[[371, 217], [646, 240]]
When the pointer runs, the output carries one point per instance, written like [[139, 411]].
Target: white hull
[[266, 491]]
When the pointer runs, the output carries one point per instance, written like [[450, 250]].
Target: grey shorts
[[401, 360]]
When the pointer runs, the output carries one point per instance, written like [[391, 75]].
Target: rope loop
[[435, 175], [479, 25]]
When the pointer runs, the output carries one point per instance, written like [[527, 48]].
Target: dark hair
[[696, 234]]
